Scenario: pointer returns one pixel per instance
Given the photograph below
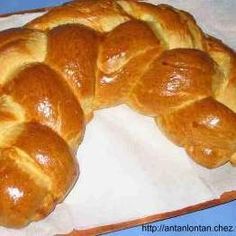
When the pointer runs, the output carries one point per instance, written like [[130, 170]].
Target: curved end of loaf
[[37, 171], [208, 157]]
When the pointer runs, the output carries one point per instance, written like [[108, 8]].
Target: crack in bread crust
[[156, 59], [26, 164]]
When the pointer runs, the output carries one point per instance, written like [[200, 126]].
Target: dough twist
[[92, 54]]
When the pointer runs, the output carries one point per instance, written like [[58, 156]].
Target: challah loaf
[[92, 54]]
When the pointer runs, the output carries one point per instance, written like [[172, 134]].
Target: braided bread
[[92, 54]]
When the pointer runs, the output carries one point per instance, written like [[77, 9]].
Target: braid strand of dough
[[92, 54]]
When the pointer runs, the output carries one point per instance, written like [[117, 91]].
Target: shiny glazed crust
[[93, 54]]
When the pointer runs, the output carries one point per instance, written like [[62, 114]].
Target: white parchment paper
[[128, 168]]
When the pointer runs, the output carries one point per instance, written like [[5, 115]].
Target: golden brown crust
[[173, 27], [225, 57], [19, 194], [173, 79], [37, 170], [51, 153], [33, 88], [123, 43], [205, 129], [129, 44], [91, 54], [76, 61], [19, 47], [101, 15]]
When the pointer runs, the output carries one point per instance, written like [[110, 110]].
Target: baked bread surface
[[92, 54]]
